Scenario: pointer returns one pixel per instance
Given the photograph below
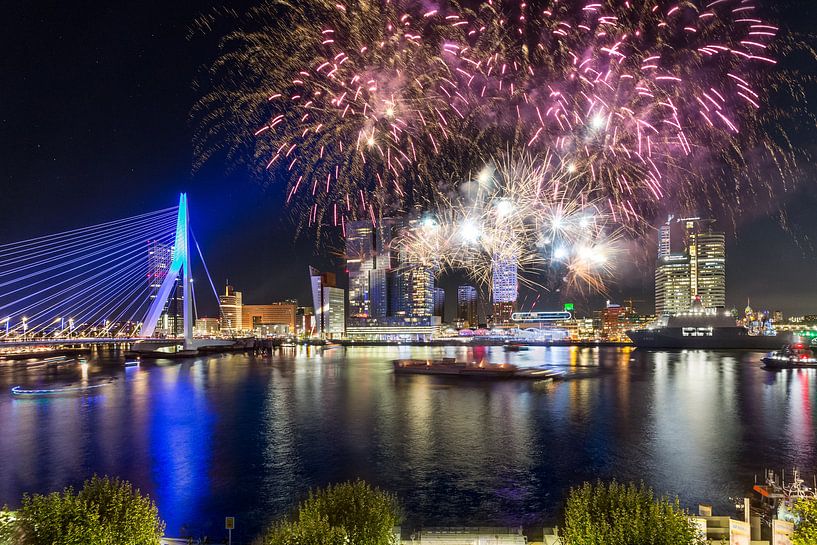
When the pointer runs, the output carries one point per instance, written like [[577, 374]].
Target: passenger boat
[[791, 355], [515, 347], [131, 363], [19, 391]]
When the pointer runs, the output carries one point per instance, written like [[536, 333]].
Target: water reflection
[[245, 436]]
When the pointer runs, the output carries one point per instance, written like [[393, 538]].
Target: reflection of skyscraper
[[467, 305], [505, 287], [695, 269]]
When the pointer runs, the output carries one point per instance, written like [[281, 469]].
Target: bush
[[104, 512], [805, 533], [7, 526], [353, 512], [617, 514]]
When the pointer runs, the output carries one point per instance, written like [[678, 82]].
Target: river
[[247, 436]]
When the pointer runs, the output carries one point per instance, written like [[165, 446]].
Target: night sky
[[94, 126]]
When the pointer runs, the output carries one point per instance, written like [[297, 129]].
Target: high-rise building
[[379, 292], [231, 304], [329, 303], [360, 260], [305, 321], [693, 271], [707, 252], [160, 256], [439, 302], [467, 305], [421, 282], [505, 288]]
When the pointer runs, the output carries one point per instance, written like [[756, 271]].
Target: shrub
[[105, 512], [618, 514], [352, 512], [805, 533]]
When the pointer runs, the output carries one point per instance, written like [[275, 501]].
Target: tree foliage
[[619, 514], [104, 512], [347, 513], [805, 532]]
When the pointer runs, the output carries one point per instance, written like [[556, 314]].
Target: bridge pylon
[[179, 265]]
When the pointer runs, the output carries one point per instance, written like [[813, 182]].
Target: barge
[[452, 368]]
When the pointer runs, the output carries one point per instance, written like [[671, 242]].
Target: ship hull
[[726, 338]]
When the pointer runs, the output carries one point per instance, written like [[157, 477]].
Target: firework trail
[[374, 108]]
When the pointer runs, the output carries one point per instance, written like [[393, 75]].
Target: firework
[[374, 108], [531, 213]]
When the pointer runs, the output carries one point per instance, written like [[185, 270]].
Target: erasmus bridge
[[107, 283]]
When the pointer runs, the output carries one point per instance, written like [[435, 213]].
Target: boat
[[777, 497], [19, 391], [796, 355], [131, 363], [705, 328], [452, 368], [515, 347]]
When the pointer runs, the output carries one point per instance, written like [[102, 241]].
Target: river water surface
[[248, 436]]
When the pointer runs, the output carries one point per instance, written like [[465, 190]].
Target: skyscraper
[[505, 288], [707, 251], [694, 269], [467, 305], [329, 303], [360, 260], [439, 302], [230, 313]]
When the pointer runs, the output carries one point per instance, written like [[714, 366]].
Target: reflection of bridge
[[116, 282]]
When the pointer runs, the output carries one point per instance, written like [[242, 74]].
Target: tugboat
[[790, 356]]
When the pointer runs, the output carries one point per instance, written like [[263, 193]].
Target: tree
[[104, 512], [347, 513], [805, 532], [618, 514]]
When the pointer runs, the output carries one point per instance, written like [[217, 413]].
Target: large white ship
[[706, 328]]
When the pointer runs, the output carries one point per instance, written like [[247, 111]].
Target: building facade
[[275, 313]]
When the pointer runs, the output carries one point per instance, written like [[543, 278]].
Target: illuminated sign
[[569, 307], [540, 316]]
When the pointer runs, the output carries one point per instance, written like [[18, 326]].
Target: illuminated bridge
[[118, 281]]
